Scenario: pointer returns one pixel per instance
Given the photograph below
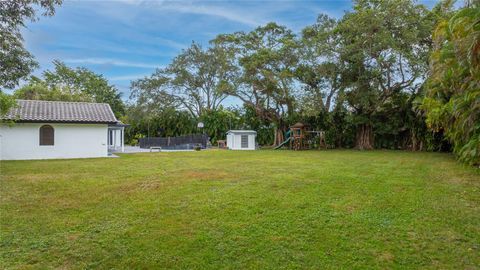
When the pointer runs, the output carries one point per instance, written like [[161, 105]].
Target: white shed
[[241, 139]]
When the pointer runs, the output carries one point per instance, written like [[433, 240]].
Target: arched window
[[47, 135]]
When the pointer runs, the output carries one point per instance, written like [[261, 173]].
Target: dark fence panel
[[180, 142]]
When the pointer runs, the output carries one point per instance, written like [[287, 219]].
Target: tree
[[6, 103], [72, 84], [452, 100], [384, 48], [265, 59], [196, 80], [199, 78], [319, 68], [166, 122], [218, 122], [16, 61], [38, 89]]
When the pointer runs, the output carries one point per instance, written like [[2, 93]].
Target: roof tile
[[61, 111]]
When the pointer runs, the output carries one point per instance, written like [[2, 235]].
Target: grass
[[241, 210]]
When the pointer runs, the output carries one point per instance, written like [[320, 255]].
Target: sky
[[126, 40]]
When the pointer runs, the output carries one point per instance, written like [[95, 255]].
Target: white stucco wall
[[21, 141], [234, 141]]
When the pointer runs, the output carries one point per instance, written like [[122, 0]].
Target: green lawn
[[238, 210]]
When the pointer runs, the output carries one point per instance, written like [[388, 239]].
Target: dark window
[[47, 135], [244, 141], [110, 137]]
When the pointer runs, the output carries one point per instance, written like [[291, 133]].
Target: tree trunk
[[338, 140], [364, 140], [274, 137], [415, 142], [278, 137]]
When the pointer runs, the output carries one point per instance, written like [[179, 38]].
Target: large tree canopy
[[384, 47], [319, 68], [16, 62], [72, 84], [196, 80], [265, 59]]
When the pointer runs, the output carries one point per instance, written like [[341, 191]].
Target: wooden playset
[[300, 137]]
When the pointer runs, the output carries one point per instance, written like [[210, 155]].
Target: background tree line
[[388, 74]]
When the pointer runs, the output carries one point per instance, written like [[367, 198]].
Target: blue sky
[[126, 40]]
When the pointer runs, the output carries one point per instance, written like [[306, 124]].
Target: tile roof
[[60, 111]]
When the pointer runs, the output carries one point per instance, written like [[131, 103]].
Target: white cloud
[[127, 77], [247, 17], [107, 61], [228, 14], [170, 43]]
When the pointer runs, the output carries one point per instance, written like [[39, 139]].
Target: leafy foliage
[[196, 80], [452, 100], [68, 84], [218, 122], [265, 59], [384, 48], [16, 62], [319, 67], [164, 123], [171, 122], [6, 102]]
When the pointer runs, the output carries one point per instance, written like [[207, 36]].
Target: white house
[[55, 129], [241, 139]]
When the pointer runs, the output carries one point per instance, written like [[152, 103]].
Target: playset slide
[[283, 143], [287, 136]]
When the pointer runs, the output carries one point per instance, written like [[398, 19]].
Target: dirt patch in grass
[[165, 180], [148, 185], [73, 237], [385, 257], [211, 175]]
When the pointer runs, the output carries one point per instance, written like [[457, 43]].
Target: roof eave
[[59, 121]]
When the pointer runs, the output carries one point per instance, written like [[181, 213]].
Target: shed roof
[[241, 132], [60, 111]]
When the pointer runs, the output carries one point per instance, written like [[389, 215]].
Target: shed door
[[244, 141]]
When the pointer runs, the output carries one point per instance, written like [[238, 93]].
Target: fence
[[180, 142]]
